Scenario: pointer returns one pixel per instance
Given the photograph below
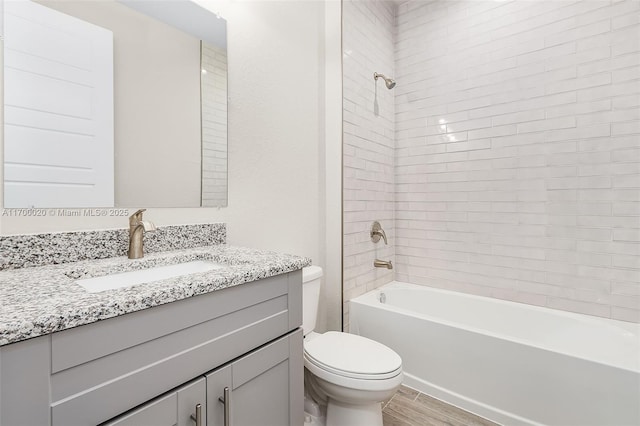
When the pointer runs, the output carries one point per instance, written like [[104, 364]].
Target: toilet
[[349, 374]]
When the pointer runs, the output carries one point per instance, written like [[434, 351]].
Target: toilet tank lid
[[311, 273]]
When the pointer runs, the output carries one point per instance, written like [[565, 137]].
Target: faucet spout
[[383, 264], [137, 228]]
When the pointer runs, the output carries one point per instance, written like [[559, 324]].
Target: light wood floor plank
[[389, 420], [408, 407], [459, 414], [417, 414]]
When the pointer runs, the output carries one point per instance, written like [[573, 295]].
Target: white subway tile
[[469, 145], [626, 101], [625, 74], [626, 181], [625, 20], [625, 288], [586, 132], [548, 124], [623, 48], [628, 208], [580, 57], [623, 314], [626, 128]]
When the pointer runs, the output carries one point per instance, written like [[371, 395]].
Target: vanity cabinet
[[155, 365]]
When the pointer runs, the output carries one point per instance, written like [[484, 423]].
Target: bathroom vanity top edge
[[40, 300]]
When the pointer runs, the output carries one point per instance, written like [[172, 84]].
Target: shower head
[[389, 82]]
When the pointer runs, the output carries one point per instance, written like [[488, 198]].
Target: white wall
[[517, 155], [368, 108], [277, 188]]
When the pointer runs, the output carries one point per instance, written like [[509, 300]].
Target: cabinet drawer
[[83, 344], [209, 346]]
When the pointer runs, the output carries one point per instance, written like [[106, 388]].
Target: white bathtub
[[508, 362]]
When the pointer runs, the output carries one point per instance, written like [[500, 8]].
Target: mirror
[[114, 103]]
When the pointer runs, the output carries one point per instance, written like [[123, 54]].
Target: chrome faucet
[[383, 264], [377, 232], [137, 228]]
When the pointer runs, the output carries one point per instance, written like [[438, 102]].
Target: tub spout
[[383, 264]]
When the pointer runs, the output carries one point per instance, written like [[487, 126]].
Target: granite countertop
[[40, 300]]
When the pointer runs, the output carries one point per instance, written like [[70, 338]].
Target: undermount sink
[[143, 276]]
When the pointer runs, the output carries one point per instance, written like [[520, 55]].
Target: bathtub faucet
[[383, 264], [377, 232]]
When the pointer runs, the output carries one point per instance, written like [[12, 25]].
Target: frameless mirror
[[114, 103]]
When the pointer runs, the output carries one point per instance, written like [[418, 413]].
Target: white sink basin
[[142, 276]]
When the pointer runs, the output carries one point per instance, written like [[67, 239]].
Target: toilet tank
[[311, 280]]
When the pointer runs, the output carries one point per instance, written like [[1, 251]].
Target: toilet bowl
[[351, 375]]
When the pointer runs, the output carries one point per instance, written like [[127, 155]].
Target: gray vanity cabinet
[[154, 366]]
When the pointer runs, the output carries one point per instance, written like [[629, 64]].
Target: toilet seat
[[351, 356]]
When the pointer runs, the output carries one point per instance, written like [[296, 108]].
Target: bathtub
[[511, 363]]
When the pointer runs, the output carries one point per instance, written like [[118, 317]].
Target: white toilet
[[349, 374]]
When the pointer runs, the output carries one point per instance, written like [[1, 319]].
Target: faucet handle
[[377, 232], [148, 226], [136, 217]]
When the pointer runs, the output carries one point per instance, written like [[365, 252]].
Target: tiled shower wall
[[368, 139], [517, 151]]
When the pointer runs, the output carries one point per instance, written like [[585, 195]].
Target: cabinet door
[[173, 409], [265, 387], [189, 397], [216, 384]]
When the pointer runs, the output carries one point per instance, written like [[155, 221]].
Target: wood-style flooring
[[408, 407]]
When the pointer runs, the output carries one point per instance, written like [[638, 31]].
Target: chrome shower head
[[389, 82]]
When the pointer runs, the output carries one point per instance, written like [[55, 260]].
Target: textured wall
[[368, 111], [517, 151]]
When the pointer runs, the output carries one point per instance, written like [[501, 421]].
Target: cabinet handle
[[226, 401], [198, 417]]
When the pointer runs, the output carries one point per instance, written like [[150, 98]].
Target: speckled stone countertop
[[40, 300], [27, 250]]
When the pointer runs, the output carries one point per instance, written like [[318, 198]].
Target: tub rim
[[370, 298]]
